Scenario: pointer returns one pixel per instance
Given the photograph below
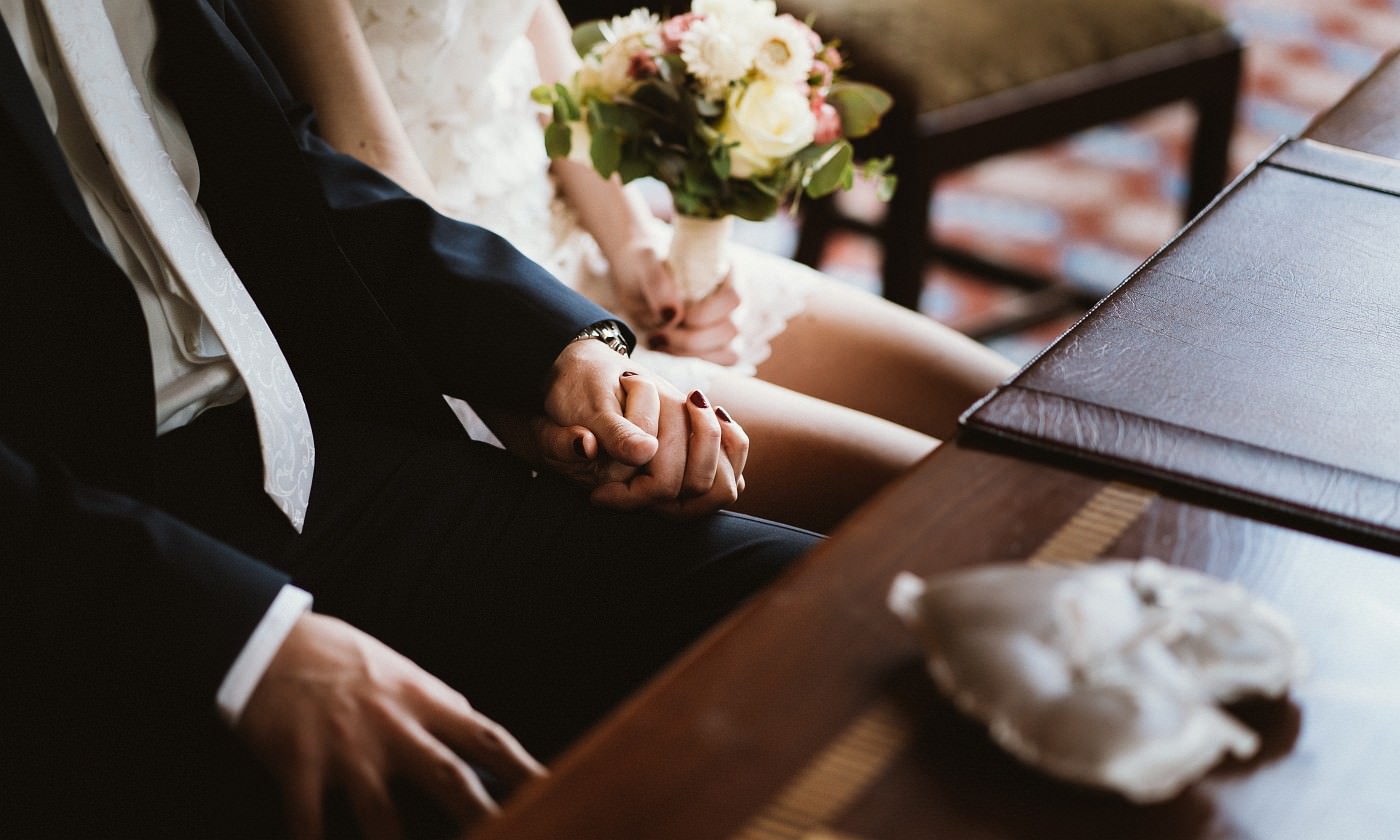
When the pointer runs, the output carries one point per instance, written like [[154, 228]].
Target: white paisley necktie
[[85, 41]]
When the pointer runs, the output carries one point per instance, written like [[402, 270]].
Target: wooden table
[[809, 715]]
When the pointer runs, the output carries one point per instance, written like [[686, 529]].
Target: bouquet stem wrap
[[698, 256]]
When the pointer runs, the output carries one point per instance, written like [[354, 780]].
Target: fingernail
[[668, 314], [723, 415], [698, 400], [627, 373], [657, 342], [578, 448]]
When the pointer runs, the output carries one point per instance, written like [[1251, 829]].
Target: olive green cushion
[[951, 51]]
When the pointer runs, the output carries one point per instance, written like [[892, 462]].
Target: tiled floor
[[1093, 207]]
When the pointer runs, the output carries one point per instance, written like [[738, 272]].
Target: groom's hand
[[635, 438], [337, 708], [606, 408]]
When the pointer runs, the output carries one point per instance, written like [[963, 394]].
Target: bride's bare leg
[[811, 462], [852, 348]]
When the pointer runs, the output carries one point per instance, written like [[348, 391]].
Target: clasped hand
[[634, 439]]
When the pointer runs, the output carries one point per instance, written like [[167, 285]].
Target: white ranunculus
[[769, 121], [717, 54], [639, 27], [784, 50]]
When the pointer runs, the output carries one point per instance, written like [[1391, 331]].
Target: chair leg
[[1215, 122], [904, 238], [818, 220]]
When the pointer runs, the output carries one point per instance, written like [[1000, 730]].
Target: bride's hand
[[706, 329], [649, 296], [651, 300]]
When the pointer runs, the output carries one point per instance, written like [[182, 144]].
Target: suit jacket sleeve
[[471, 306], [109, 606], [486, 322]]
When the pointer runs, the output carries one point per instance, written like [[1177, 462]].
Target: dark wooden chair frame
[[1202, 69]]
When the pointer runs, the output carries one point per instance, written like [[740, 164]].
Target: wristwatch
[[608, 332]]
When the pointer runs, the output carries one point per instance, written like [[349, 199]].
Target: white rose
[[769, 121]]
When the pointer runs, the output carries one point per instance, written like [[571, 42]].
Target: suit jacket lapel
[[75, 366], [269, 215], [23, 119]]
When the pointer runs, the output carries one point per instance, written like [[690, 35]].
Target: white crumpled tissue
[[1108, 675]]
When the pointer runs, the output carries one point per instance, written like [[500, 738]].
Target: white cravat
[[85, 42]]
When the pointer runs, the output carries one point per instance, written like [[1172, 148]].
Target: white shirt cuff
[[243, 676]]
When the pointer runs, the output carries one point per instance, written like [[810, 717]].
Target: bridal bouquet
[[735, 108]]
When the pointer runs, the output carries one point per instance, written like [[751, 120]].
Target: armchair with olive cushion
[[977, 78]]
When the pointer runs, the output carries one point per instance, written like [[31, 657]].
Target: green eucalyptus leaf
[[587, 35], [878, 170], [832, 171], [603, 115], [558, 140], [543, 94], [686, 203], [720, 162], [658, 90], [626, 120], [671, 69], [812, 153], [632, 168], [606, 151], [753, 204], [859, 105], [885, 187], [571, 110]]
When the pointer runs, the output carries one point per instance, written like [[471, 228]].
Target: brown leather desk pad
[[1255, 357]]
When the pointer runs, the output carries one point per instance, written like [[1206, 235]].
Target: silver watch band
[[608, 332]]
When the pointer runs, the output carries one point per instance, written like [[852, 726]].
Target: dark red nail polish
[[578, 447], [657, 342], [698, 400], [668, 314], [627, 373], [723, 415]]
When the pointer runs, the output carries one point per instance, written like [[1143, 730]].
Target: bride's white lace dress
[[460, 74]]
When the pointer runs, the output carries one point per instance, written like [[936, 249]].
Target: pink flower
[[828, 123], [831, 57], [642, 65], [823, 73], [674, 29]]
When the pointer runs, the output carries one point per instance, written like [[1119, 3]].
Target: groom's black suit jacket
[[380, 305]]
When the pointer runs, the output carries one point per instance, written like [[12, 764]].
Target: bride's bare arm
[[319, 45], [617, 219]]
